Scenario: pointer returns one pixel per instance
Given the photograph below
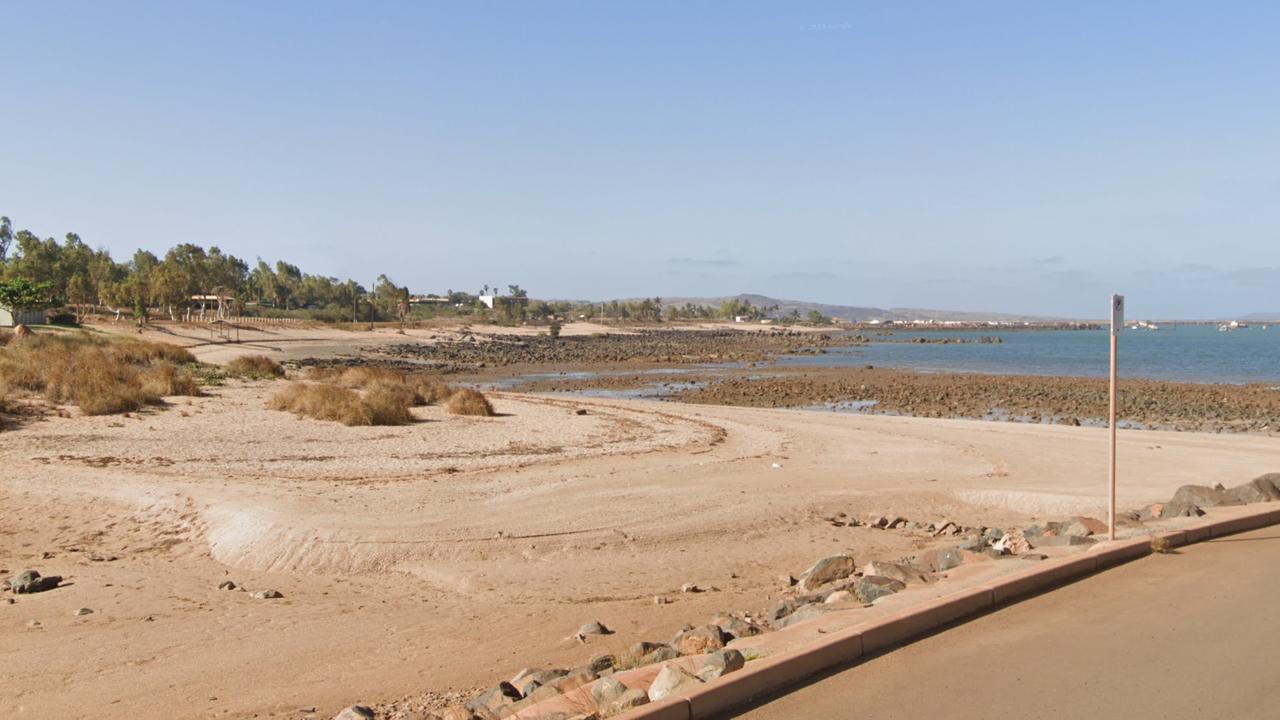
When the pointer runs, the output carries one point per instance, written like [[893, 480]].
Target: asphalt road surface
[[1191, 635]]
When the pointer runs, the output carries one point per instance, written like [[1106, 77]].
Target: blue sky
[[1008, 156]]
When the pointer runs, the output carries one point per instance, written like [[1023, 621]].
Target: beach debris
[[671, 680], [266, 595], [690, 588], [660, 600], [787, 580], [30, 581], [827, 570], [580, 411], [83, 611], [721, 662], [95, 557], [777, 466], [226, 585], [355, 712]]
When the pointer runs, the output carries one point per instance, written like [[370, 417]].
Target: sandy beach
[[435, 558]]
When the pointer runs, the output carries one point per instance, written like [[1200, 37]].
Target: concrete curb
[[778, 672]]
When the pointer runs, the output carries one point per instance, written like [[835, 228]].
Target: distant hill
[[1263, 316], [853, 313]]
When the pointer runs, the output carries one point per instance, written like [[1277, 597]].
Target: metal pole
[[1111, 508]]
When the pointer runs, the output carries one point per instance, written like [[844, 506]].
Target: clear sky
[[1008, 156]]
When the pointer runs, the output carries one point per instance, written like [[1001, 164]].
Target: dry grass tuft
[[466, 401], [426, 388], [99, 375], [384, 404], [256, 367], [1161, 545]]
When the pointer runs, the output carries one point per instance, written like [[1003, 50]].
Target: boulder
[[700, 640], [1061, 541], [874, 587], [801, 614], [671, 681], [1094, 525], [355, 712], [896, 571], [827, 570], [529, 680], [1260, 489], [30, 581], [1077, 529], [606, 691], [720, 663], [601, 664], [494, 699], [940, 559], [632, 698], [838, 596], [594, 628], [457, 712], [734, 626], [1174, 509], [1012, 543], [1203, 496]]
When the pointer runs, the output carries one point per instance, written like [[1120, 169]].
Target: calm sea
[[1194, 353]]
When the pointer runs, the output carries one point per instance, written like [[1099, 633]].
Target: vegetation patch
[[99, 375]]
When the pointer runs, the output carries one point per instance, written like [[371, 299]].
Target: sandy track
[[451, 552]]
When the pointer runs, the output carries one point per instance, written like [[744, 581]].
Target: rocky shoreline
[[1151, 404]]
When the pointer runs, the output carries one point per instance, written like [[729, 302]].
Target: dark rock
[[226, 585], [1060, 541], [266, 595], [355, 712]]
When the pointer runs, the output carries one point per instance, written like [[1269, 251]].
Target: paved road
[[1192, 635]]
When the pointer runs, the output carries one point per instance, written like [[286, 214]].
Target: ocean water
[[1192, 353]]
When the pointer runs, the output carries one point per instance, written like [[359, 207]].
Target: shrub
[[388, 404], [554, 329], [256, 367], [467, 401]]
